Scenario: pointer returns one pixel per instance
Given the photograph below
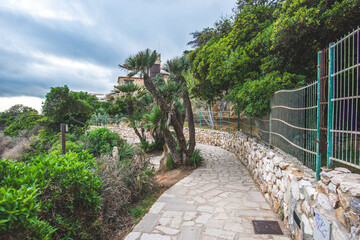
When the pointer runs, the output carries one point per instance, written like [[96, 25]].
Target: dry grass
[[123, 185]]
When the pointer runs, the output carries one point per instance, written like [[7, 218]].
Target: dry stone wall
[[290, 187], [292, 190]]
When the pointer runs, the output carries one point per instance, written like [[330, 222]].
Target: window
[[128, 81]]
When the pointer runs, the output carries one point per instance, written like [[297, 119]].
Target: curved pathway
[[217, 201]]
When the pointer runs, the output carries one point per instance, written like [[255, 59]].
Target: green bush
[[61, 190], [101, 141], [76, 147], [26, 121], [153, 146], [196, 159], [169, 163]]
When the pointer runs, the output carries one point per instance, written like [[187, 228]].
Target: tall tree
[[177, 67], [141, 63]]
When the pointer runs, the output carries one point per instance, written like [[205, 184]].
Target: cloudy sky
[[79, 43]]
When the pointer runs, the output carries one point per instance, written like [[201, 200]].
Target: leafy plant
[[196, 159], [101, 141]]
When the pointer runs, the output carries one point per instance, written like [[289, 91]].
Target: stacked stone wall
[[290, 187]]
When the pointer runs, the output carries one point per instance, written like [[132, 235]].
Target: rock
[[323, 201], [343, 199], [277, 160], [310, 193], [323, 188], [307, 228], [303, 183], [336, 180], [339, 213], [343, 170], [332, 187], [355, 204], [283, 165], [334, 199], [305, 207], [355, 232], [347, 186], [270, 154], [353, 217], [295, 190]]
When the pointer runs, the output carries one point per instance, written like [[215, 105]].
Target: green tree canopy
[[270, 42]]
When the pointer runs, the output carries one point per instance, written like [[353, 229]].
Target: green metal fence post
[[318, 159], [200, 119], [220, 122], [330, 106], [229, 121], [118, 120]]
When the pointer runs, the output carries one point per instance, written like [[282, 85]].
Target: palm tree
[[132, 101], [141, 63], [177, 67]]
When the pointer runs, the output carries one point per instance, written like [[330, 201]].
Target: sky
[[79, 43]]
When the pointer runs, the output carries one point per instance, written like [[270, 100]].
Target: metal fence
[[227, 121], [293, 122], [344, 93], [319, 123]]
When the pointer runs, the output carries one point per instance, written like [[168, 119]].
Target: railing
[[293, 122], [227, 121], [344, 94], [319, 123]]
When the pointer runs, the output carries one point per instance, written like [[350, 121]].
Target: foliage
[[124, 183], [269, 42], [196, 159], [64, 106], [10, 115], [50, 193], [76, 147], [101, 141], [40, 144], [169, 163], [25, 121]]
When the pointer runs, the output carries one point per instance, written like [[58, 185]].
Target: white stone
[[324, 202], [304, 183], [157, 207], [295, 190], [168, 231], [203, 218], [189, 215], [149, 236], [133, 236], [270, 154], [307, 228]]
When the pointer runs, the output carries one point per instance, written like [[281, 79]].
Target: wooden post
[[63, 140]]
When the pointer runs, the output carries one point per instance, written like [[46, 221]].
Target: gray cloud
[[80, 43]]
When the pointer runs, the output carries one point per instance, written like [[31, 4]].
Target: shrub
[[62, 191], [196, 159], [123, 184], [101, 141], [153, 146], [76, 147], [169, 163], [21, 145], [26, 121]]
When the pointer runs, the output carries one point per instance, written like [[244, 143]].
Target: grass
[[142, 207]]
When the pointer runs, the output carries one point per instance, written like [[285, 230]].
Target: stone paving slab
[[217, 201]]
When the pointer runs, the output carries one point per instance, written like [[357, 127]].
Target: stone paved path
[[217, 201]]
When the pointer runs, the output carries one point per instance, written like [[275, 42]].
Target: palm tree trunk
[[191, 125], [171, 144], [173, 118]]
